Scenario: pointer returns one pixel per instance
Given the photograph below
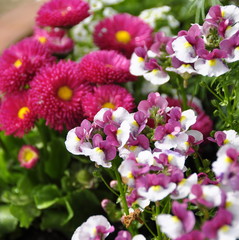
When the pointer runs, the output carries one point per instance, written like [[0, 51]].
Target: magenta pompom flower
[[107, 96], [62, 13], [28, 156], [122, 32], [16, 114], [105, 66], [19, 64], [56, 94], [54, 39]]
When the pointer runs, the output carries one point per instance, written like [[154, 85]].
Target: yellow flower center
[[42, 39], [212, 62], [187, 45], [175, 219], [123, 37], [18, 63], [22, 112], [108, 105], [65, 93], [28, 155]]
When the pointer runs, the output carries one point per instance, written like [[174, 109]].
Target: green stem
[[122, 192], [157, 211], [149, 229], [229, 106], [106, 184], [182, 94]]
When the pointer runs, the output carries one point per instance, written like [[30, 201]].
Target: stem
[[225, 88], [183, 94], [106, 184], [157, 211], [122, 192], [149, 229]]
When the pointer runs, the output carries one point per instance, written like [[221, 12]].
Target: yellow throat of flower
[[65, 93], [22, 112], [123, 37], [108, 105], [17, 63]]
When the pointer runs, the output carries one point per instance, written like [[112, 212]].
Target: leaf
[[58, 159], [8, 222], [57, 216], [46, 196], [25, 214]]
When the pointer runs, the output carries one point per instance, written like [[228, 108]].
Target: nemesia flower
[[28, 156], [77, 138], [203, 122], [105, 66], [154, 187], [225, 137], [174, 226], [20, 63], [62, 13], [115, 33], [57, 92], [96, 228], [17, 115], [219, 225], [208, 195], [106, 96], [54, 39]]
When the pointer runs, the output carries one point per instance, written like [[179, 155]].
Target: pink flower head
[[116, 33], [154, 103], [222, 218], [95, 228], [20, 63], [57, 92], [106, 96], [105, 67], [62, 13], [203, 123], [17, 116], [28, 156], [54, 39]]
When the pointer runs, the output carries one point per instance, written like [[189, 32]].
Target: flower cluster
[[202, 50], [154, 144]]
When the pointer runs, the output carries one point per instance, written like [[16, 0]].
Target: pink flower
[[105, 67], [16, 114], [122, 32], [56, 95], [62, 13], [20, 63], [54, 39], [28, 156], [106, 96], [204, 123]]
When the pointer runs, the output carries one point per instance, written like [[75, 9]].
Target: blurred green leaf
[[8, 222], [57, 216], [25, 214], [58, 159], [46, 196]]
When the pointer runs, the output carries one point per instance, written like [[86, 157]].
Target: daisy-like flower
[[20, 62], [62, 13], [116, 33], [105, 67], [106, 96], [54, 39], [16, 114], [57, 92], [96, 227], [28, 156]]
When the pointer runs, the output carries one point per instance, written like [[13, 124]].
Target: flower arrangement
[[119, 123]]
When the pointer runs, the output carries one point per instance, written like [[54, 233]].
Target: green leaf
[[8, 222], [25, 214], [5, 175], [46, 196], [58, 159], [57, 216]]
